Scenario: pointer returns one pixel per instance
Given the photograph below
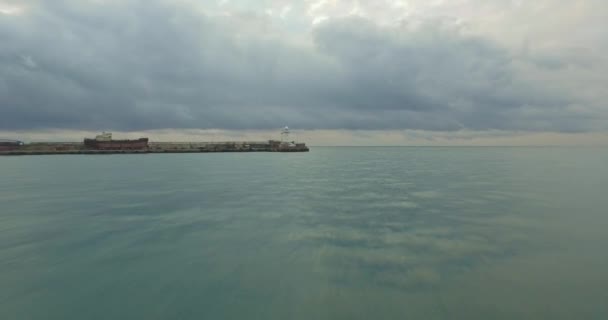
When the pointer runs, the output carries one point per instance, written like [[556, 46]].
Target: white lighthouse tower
[[285, 135]]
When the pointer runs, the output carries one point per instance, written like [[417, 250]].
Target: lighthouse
[[285, 135], [287, 144]]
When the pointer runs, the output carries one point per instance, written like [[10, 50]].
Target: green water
[[337, 233]]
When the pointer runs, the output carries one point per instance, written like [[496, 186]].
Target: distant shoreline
[[72, 148]]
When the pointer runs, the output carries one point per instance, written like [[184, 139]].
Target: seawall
[[40, 148]]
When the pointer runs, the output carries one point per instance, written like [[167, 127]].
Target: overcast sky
[[337, 66]]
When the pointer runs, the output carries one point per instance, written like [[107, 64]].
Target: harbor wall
[[41, 148]]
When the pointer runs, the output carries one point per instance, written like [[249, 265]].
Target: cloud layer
[[138, 65]]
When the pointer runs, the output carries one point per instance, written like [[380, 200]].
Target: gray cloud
[[136, 65]]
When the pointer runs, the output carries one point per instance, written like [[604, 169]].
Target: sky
[[338, 72]]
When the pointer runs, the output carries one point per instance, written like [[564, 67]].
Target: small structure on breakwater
[[8, 145], [286, 144], [104, 141]]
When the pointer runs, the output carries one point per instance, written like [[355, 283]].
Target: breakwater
[[44, 148]]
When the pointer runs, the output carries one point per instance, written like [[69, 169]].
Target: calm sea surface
[[337, 233]]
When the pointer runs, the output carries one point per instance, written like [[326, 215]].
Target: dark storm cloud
[[147, 65]]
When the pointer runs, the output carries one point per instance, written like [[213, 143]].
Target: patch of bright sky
[[503, 19], [10, 9], [381, 11]]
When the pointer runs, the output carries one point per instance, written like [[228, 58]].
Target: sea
[[335, 233]]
